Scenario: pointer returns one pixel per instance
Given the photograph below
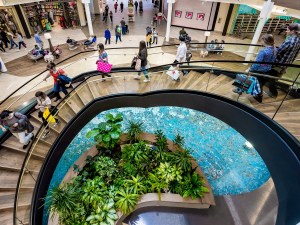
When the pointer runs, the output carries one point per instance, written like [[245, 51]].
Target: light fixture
[[248, 145]]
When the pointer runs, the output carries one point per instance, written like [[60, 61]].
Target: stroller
[[72, 44]]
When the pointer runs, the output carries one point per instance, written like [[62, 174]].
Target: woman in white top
[[20, 40], [43, 102], [181, 51]]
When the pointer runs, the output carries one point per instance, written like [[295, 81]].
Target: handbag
[[133, 62], [243, 82], [47, 116], [138, 64], [104, 67]]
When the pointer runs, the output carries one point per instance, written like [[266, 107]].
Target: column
[[169, 19], [264, 15], [88, 16], [3, 67], [81, 13]]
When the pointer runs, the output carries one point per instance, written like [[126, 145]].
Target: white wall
[[221, 18], [194, 7]]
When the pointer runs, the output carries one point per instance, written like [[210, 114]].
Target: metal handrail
[[69, 96], [93, 50]]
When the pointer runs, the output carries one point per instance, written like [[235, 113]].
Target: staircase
[[12, 155]]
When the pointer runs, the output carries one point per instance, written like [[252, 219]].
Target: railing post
[[285, 96]]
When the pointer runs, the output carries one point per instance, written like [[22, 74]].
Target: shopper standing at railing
[[143, 55], [266, 54], [19, 126], [286, 53], [55, 73]]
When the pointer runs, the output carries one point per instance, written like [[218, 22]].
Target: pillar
[[264, 15], [3, 67], [169, 19], [81, 13], [88, 16]]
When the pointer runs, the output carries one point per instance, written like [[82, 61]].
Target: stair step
[[85, 94], [9, 179], [6, 217], [7, 201]]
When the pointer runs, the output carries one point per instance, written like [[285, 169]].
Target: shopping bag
[[173, 73], [47, 116], [104, 67], [138, 64], [243, 82], [133, 62]]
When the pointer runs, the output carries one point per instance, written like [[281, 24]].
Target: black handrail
[[86, 78], [93, 50], [287, 182]]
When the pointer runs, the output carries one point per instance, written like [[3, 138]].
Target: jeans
[[23, 138], [123, 30], [57, 88], [118, 37], [154, 40], [145, 71], [12, 43], [22, 43], [107, 40]]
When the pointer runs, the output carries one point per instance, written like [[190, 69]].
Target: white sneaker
[[137, 77], [147, 80]]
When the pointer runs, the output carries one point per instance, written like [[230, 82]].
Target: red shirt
[[55, 75]]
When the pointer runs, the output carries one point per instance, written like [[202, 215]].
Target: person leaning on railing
[[266, 54], [286, 53]]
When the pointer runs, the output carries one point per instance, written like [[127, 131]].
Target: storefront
[[8, 20], [44, 15]]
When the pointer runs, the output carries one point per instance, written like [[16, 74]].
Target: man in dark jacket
[[4, 38]]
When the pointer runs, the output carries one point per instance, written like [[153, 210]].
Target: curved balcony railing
[[123, 82], [85, 61]]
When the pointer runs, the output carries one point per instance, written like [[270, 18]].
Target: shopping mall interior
[[191, 116]]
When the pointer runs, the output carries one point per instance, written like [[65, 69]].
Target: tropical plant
[[126, 200], [161, 140], [104, 215], [136, 184], [193, 186], [169, 173], [62, 200], [157, 184], [179, 141], [182, 159], [108, 133], [105, 167], [134, 129], [130, 169], [94, 191], [137, 153]]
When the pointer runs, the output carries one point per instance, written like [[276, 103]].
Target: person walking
[[121, 6], [143, 55], [123, 25], [43, 102], [155, 18], [57, 85], [103, 57], [267, 54], [118, 33], [2, 47], [155, 36], [107, 36], [140, 6], [38, 40], [111, 16], [19, 125], [104, 15], [136, 4], [149, 39], [116, 7], [4, 38], [11, 40], [181, 51], [21, 40], [106, 9]]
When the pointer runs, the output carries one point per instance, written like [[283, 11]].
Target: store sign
[[17, 2]]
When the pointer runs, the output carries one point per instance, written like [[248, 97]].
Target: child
[[155, 35], [149, 39]]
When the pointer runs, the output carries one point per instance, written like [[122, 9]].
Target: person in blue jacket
[[107, 36]]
